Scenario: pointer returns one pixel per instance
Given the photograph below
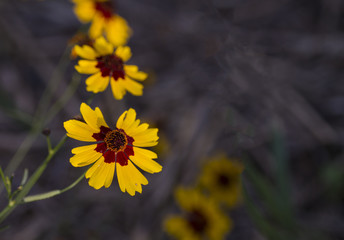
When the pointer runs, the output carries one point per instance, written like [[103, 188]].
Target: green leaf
[[6, 182], [25, 177], [282, 178], [269, 196], [269, 230]]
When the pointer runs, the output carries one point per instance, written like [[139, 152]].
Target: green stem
[[51, 194], [31, 182], [49, 144], [20, 198], [40, 118], [38, 126], [55, 80], [56, 108]]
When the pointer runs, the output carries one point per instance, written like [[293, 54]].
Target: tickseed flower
[[104, 20], [107, 65], [221, 178], [202, 218], [113, 149]]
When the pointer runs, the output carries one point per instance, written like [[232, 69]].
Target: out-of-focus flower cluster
[[206, 206], [103, 56]]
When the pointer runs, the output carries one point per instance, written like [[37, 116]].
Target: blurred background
[[260, 80]]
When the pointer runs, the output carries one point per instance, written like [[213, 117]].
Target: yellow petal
[[146, 144], [79, 130], [148, 135], [84, 11], [89, 116], [85, 158], [87, 67], [110, 175], [101, 120], [98, 178], [141, 128], [120, 120], [103, 47], [117, 30], [123, 52], [97, 26], [133, 87], [136, 177], [129, 119], [97, 83], [131, 178], [131, 68], [123, 180], [117, 88], [145, 163], [145, 152], [132, 72], [94, 167], [86, 52], [84, 148], [132, 127]]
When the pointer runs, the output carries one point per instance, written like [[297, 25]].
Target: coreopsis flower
[[104, 20], [106, 64], [221, 178], [201, 218], [113, 149]]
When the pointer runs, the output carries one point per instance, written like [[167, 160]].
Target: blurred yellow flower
[[201, 219], [104, 20], [114, 149], [221, 178], [107, 65]]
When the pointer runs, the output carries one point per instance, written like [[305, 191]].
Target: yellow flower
[[202, 218], [101, 13], [221, 178], [113, 149], [107, 65]]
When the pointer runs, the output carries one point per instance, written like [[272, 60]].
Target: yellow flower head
[[113, 149], [221, 178], [202, 218], [107, 65], [104, 20]]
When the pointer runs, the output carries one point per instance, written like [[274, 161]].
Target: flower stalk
[[13, 203]]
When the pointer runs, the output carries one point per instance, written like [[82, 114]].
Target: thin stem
[[51, 194], [53, 83], [38, 126], [34, 178], [49, 144], [40, 118], [56, 108], [31, 182]]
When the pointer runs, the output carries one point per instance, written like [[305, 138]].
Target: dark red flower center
[[197, 220], [115, 145], [111, 65], [105, 8]]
